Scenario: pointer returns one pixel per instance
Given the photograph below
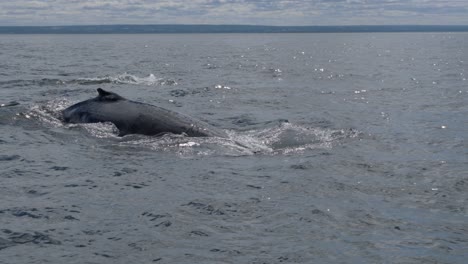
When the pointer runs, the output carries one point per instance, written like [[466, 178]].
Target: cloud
[[264, 12]]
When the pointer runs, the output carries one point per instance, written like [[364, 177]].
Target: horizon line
[[254, 25], [224, 28]]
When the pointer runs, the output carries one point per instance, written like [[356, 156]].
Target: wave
[[126, 79], [291, 138], [150, 80], [24, 83]]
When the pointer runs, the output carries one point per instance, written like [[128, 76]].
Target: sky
[[252, 12]]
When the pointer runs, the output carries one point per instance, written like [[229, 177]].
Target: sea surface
[[342, 148]]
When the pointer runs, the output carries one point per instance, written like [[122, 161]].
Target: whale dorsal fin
[[108, 96]]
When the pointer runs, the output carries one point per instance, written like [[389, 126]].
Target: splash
[[285, 138], [292, 138], [150, 80], [187, 146], [48, 113], [126, 78]]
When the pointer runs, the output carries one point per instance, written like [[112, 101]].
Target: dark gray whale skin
[[136, 118]]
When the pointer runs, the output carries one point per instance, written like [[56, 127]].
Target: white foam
[[126, 78]]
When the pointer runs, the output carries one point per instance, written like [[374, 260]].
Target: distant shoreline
[[174, 29]]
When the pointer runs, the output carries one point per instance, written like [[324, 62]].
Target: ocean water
[[342, 148]]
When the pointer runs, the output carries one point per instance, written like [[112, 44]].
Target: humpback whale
[[132, 117]]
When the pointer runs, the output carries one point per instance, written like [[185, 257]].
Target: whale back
[[132, 117]]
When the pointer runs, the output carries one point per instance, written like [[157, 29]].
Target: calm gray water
[[343, 148]]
